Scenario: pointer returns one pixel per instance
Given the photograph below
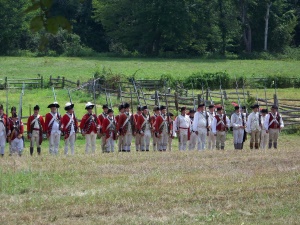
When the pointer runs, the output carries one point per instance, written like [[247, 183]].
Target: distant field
[[84, 68], [210, 187]]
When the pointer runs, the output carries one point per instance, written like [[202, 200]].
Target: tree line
[[149, 27]]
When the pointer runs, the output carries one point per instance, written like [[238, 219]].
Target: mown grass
[[210, 187], [84, 68]]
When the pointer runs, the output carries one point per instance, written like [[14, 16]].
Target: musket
[[167, 105], [120, 89], [265, 94], [54, 95], [237, 92], [208, 89], [137, 94], [221, 93], [71, 100], [158, 99], [194, 103], [106, 97], [109, 100], [256, 96], [244, 96], [206, 115], [94, 95], [7, 101]]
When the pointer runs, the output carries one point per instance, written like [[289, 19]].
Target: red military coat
[[30, 125], [89, 123], [141, 122], [122, 123], [108, 126], [49, 122], [66, 126], [101, 117], [15, 131]]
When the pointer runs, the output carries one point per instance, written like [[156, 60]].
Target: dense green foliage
[[148, 27]]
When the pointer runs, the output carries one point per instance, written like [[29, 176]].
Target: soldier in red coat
[[3, 130], [15, 138], [109, 129], [35, 129], [101, 117], [162, 129], [120, 143], [126, 127], [90, 127], [69, 125], [53, 127], [155, 140], [138, 137], [144, 128]]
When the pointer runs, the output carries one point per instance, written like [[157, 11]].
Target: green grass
[[84, 68], [210, 187]]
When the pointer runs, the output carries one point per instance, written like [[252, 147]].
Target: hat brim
[[53, 105], [89, 107], [69, 107]]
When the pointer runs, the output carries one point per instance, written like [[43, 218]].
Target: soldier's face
[[145, 111], [163, 111], [201, 108], [191, 114], [36, 112], [70, 111], [90, 111], [53, 109], [105, 110], [1, 111], [212, 110], [273, 110], [110, 114]]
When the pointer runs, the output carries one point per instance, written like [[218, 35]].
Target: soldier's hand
[[267, 131], [20, 136], [196, 132]]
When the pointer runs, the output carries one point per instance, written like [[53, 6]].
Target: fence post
[[225, 95], [42, 82], [63, 82], [78, 83], [156, 97], [248, 94], [275, 100], [119, 92], [207, 93], [6, 84], [176, 101], [50, 80], [199, 98]]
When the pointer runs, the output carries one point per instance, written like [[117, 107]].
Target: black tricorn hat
[[170, 114], [139, 108], [243, 107], [36, 107], [110, 111], [105, 106], [1, 106], [89, 105], [219, 108], [274, 107], [201, 105], [236, 107], [264, 111], [162, 107], [156, 108], [121, 107], [255, 106], [14, 115], [192, 111], [69, 106], [126, 105], [182, 109], [54, 104], [13, 109], [144, 107], [211, 106]]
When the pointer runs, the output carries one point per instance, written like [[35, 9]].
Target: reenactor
[[15, 138], [162, 129], [155, 139], [200, 125], [183, 126], [238, 123], [69, 126], [126, 127], [101, 117], [35, 130], [3, 130], [211, 138], [245, 114], [9, 121], [254, 127], [219, 127], [194, 136], [90, 127], [120, 137], [53, 127], [273, 124], [109, 129], [138, 137], [144, 129], [172, 130], [264, 136]]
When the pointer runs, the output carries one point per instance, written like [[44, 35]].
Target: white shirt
[[2, 128], [267, 119], [214, 123], [182, 122], [237, 121], [253, 122], [200, 121]]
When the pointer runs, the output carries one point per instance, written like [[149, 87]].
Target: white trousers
[[70, 141], [127, 141], [138, 142], [54, 140], [156, 142], [145, 140], [110, 144], [183, 133], [193, 141], [35, 138], [2, 144], [103, 142], [238, 135], [170, 143], [163, 141], [211, 141], [17, 146], [264, 139], [202, 133], [90, 142]]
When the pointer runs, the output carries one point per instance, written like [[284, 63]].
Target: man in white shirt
[[219, 127], [52, 127], [273, 124], [182, 123], [254, 127], [194, 136], [200, 125], [3, 128], [264, 136], [238, 125], [211, 138]]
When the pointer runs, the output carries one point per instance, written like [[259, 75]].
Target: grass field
[[210, 187], [84, 68]]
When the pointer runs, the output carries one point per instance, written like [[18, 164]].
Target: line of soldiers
[[194, 129]]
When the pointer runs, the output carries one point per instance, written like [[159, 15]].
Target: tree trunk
[[247, 32], [267, 26]]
